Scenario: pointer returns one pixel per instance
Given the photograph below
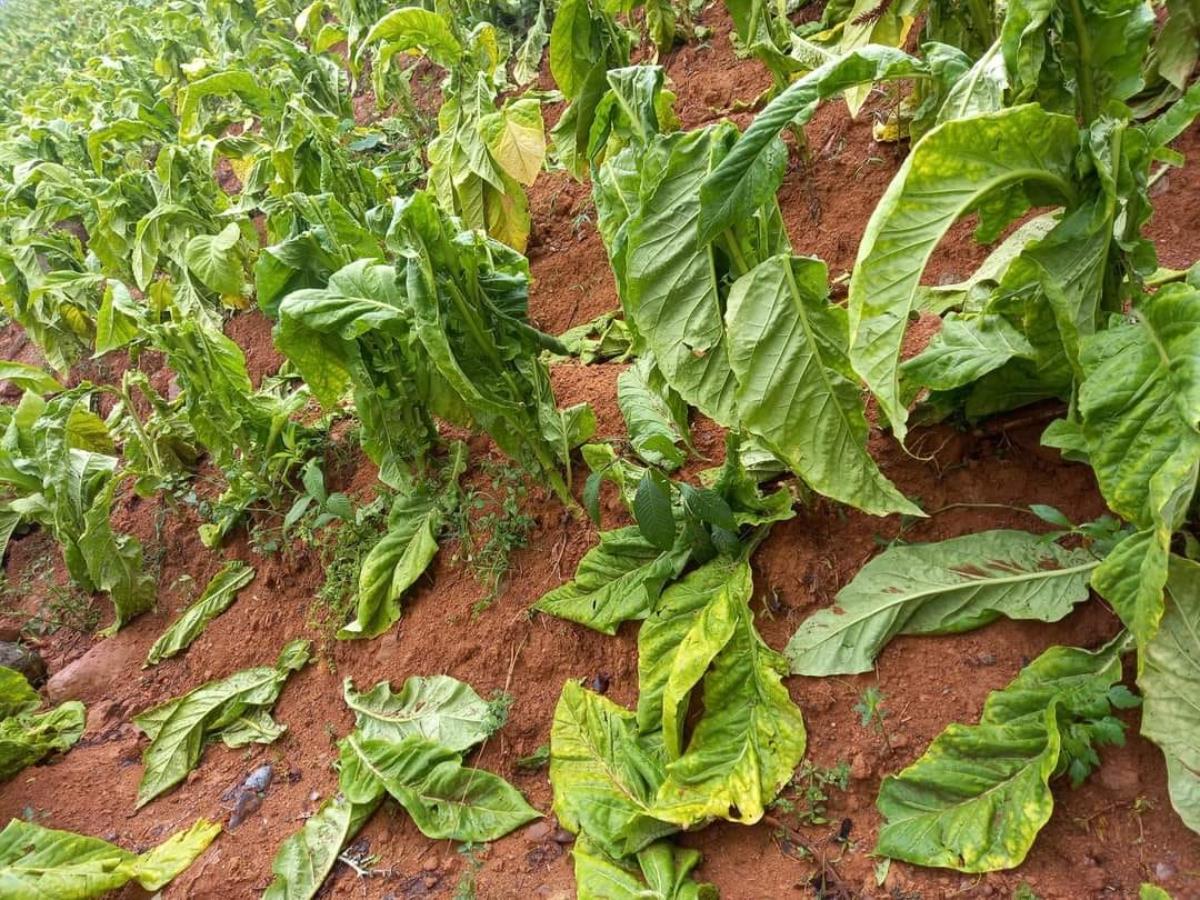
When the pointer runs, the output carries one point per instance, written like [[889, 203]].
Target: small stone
[[431, 881], [562, 836], [91, 677], [860, 769], [430, 865], [1120, 777], [314, 796], [538, 831], [16, 656], [900, 741], [97, 715]]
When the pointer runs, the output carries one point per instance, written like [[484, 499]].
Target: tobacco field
[[608, 449]]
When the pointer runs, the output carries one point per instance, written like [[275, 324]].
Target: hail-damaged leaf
[[655, 416], [218, 596], [437, 707], [661, 871], [1139, 405], [691, 623], [234, 710], [750, 737], [950, 586], [28, 736]]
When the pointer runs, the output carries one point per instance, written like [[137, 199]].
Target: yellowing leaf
[[516, 138]]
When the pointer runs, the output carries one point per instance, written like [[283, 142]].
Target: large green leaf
[[305, 858], [952, 169], [673, 289], [977, 798], [750, 737], [446, 799], [950, 586], [1170, 685], [219, 594], [214, 259], [795, 388], [617, 580], [38, 863], [604, 777], [233, 709], [437, 707]]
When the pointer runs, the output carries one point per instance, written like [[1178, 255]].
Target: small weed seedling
[[809, 791], [871, 713]]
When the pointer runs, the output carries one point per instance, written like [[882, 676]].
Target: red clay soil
[[1105, 838]]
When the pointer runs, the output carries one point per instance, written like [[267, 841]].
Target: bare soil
[[1104, 839]]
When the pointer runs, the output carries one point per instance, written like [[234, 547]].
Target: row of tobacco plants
[[164, 166]]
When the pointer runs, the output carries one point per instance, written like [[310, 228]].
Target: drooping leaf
[[977, 798], [672, 289], [515, 137], [795, 388], [1170, 684], [38, 862], [235, 710], [942, 588], [604, 777], [28, 378], [437, 707], [753, 171], [114, 561], [395, 563], [750, 737], [655, 416], [218, 596], [964, 351], [951, 170], [446, 799], [412, 27], [617, 580]]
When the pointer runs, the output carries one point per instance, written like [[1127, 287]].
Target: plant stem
[[1088, 109]]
